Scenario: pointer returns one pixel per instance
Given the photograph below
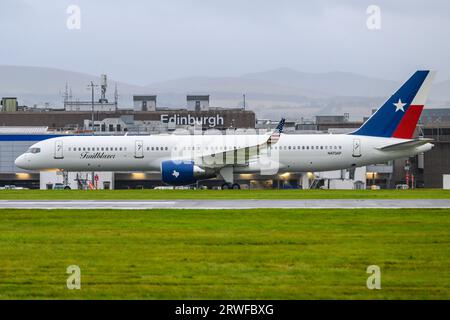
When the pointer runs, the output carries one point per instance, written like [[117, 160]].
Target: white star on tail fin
[[399, 105]]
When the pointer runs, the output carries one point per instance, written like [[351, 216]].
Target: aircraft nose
[[21, 162]]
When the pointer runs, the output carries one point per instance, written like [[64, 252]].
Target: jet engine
[[184, 172]]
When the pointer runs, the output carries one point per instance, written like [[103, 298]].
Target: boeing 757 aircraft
[[185, 159]]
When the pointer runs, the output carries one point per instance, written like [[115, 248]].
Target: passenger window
[[157, 148], [167, 148], [120, 148]]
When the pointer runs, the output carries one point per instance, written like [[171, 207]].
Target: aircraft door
[[58, 153], [356, 148], [138, 149]]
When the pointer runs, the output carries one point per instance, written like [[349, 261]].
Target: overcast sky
[[142, 41]]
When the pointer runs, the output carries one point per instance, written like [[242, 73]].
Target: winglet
[[280, 125], [275, 136]]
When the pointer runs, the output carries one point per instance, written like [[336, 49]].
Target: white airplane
[[185, 159]]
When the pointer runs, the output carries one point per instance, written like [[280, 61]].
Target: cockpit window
[[34, 150]]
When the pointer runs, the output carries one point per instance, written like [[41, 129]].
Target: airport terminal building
[[19, 129]]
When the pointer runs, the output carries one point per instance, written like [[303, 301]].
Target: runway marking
[[227, 204]]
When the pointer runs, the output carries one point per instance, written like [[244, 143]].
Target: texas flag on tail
[[398, 116]]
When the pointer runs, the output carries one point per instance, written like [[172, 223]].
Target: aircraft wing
[[241, 155], [404, 145]]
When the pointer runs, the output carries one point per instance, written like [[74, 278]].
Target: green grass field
[[225, 254], [221, 194]]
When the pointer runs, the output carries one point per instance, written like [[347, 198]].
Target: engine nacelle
[[183, 172]]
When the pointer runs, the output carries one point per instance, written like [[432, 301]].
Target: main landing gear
[[234, 186], [227, 175]]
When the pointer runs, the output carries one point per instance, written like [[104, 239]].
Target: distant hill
[[332, 83], [39, 80], [441, 91], [285, 81], [281, 91], [235, 85]]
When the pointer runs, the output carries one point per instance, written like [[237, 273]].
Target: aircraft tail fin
[[398, 116]]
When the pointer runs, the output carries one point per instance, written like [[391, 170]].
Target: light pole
[[92, 85]]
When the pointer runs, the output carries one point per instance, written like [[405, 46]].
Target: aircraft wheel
[[226, 186], [236, 186], [67, 188]]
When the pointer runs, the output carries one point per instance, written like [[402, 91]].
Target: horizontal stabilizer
[[404, 145]]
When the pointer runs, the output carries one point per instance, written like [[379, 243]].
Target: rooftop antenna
[[116, 96], [66, 93], [103, 86], [92, 86]]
